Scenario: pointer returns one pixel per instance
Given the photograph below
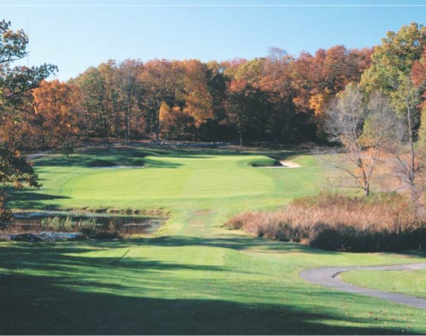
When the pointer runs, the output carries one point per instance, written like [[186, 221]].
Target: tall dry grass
[[383, 222], [68, 224]]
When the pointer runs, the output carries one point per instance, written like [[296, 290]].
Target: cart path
[[329, 277]]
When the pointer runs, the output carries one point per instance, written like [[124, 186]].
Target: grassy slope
[[194, 277], [408, 282]]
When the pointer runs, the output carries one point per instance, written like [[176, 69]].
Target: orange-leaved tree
[[56, 106], [198, 101]]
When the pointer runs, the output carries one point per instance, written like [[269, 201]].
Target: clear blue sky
[[75, 38]]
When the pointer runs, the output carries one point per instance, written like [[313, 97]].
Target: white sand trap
[[290, 164], [285, 164]]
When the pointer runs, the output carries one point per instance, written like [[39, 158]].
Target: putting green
[[189, 178], [168, 180]]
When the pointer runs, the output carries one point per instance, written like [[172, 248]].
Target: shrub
[[383, 222]]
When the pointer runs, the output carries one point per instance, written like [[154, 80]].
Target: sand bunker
[[286, 164], [290, 164]]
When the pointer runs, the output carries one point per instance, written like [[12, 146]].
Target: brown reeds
[[384, 222]]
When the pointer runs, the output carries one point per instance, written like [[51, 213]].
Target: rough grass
[[384, 222], [195, 277]]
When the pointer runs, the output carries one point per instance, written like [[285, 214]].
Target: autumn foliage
[[56, 107], [275, 98]]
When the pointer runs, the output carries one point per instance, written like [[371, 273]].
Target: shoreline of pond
[[78, 225]]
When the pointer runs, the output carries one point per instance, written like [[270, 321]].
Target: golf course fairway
[[193, 276]]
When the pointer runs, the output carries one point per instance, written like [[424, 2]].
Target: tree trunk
[[43, 139], [411, 174], [157, 126], [127, 135], [367, 189], [106, 128]]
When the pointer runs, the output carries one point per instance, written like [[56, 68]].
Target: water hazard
[[73, 225]]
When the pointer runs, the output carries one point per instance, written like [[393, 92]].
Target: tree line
[[278, 98]]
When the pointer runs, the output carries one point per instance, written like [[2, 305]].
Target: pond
[[88, 224]]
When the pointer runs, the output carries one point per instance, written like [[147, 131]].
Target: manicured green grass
[[168, 180], [403, 282], [194, 276], [189, 178]]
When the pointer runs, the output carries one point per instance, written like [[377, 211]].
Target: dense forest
[[278, 98]]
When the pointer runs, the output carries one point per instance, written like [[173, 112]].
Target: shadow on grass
[[84, 295], [27, 199], [235, 242], [135, 156], [106, 159]]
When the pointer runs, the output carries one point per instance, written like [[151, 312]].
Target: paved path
[[329, 277]]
